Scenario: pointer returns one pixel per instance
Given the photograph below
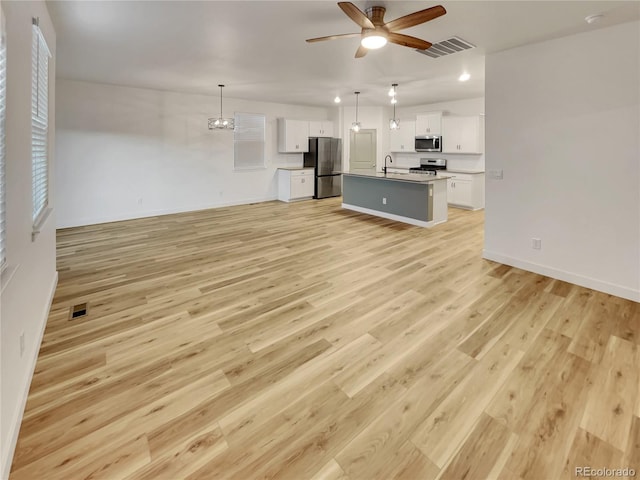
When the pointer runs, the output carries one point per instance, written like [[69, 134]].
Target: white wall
[[472, 106], [129, 152], [29, 280], [562, 121]]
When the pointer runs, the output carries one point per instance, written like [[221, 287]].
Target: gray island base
[[416, 199]]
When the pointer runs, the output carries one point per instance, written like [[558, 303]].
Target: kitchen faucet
[[388, 157]]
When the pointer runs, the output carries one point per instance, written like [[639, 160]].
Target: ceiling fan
[[376, 33]]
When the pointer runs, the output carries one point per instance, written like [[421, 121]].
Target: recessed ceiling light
[[337, 99], [464, 77], [594, 18]]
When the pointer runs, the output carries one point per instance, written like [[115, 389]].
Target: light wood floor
[[302, 341]]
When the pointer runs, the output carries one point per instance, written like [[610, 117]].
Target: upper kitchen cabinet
[[320, 129], [293, 136], [429, 123], [403, 140], [462, 134]]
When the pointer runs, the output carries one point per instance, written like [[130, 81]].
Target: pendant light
[[355, 126], [394, 123], [221, 122]]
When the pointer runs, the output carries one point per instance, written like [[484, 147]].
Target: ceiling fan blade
[[408, 41], [361, 52], [355, 14], [333, 37], [416, 18]]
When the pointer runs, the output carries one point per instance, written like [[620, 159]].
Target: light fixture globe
[[373, 40], [221, 123]]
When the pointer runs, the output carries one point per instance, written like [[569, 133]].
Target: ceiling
[[258, 48]]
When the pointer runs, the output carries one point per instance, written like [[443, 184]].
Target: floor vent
[[447, 47], [78, 311]]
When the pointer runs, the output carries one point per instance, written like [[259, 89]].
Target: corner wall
[[563, 123], [29, 280], [129, 152]]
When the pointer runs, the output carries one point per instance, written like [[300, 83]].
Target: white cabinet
[[403, 140], [295, 184], [293, 136], [462, 134], [429, 123], [465, 190], [320, 129]]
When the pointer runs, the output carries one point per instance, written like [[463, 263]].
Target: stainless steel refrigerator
[[325, 156]]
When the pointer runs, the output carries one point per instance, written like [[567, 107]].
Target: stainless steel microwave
[[429, 143]]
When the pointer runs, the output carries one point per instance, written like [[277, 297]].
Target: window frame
[[40, 55], [3, 141]]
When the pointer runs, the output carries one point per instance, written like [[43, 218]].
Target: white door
[[362, 151]]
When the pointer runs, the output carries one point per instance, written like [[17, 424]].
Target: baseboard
[[15, 428], [82, 222], [610, 288], [389, 216]]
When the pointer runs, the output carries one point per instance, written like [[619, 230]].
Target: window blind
[[39, 122], [3, 106], [249, 140]]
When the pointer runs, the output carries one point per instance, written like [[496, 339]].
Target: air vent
[[447, 47], [79, 310]]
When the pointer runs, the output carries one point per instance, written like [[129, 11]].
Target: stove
[[430, 166]]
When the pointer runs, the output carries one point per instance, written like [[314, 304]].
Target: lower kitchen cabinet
[[295, 184], [465, 190]]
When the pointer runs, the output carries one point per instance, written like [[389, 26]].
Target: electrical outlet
[[139, 200], [496, 174], [21, 344], [384, 200], [536, 243]]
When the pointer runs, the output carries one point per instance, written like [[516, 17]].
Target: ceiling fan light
[[373, 42]]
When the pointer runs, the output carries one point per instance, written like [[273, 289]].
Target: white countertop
[[295, 168], [400, 177], [461, 170]]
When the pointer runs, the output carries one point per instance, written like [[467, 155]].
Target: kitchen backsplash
[[466, 162]]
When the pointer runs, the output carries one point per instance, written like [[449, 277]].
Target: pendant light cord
[[221, 100]]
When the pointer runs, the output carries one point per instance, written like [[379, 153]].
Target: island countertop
[[399, 177]]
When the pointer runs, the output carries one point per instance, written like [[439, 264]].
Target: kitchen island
[[412, 198]]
